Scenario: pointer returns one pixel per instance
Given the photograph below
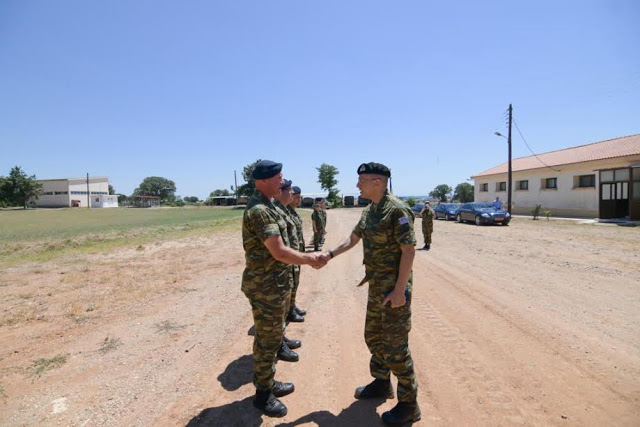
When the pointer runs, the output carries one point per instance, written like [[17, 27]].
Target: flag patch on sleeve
[[404, 220]]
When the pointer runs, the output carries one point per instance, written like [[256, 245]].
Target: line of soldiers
[[274, 250]]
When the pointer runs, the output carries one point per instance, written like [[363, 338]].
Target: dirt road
[[537, 323]]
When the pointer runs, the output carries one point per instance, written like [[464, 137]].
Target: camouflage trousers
[[296, 282], [270, 306], [386, 333], [317, 237], [427, 229]]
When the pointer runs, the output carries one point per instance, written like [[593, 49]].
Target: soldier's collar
[[262, 196], [382, 202]]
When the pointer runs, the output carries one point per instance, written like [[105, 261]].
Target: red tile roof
[[609, 149]]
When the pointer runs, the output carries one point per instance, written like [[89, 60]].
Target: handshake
[[319, 260]]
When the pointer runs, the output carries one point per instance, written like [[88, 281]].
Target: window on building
[[635, 190], [61, 192], [586, 181], [621, 174], [551, 183], [522, 185], [501, 186], [606, 176], [484, 187]]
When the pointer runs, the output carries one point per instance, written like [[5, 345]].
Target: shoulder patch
[[403, 220]]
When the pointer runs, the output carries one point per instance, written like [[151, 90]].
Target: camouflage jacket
[[316, 217], [427, 216], [298, 220], [262, 272], [292, 231], [384, 228]]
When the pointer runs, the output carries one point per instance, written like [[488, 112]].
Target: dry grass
[[110, 344], [42, 365], [168, 326]]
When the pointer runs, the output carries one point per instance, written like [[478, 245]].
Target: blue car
[[447, 211], [482, 213], [417, 208]]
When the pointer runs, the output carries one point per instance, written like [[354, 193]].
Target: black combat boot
[[286, 354], [292, 344], [300, 311], [294, 317], [282, 389], [403, 412], [265, 401], [428, 246], [425, 247], [377, 388]]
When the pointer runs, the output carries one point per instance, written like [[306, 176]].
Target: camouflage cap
[[265, 169], [374, 169]]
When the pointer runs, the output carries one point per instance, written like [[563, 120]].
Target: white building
[[76, 192], [600, 180]]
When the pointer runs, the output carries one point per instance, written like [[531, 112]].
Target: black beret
[[265, 169], [374, 169], [286, 183], [296, 189]]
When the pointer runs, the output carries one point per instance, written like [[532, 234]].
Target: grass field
[[43, 234]]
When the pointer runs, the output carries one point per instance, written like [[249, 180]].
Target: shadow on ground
[[240, 414], [360, 413], [237, 374]]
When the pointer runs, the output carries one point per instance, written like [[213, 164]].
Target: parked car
[[482, 213], [417, 208], [447, 211]]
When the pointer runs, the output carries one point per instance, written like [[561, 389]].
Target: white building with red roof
[[600, 180]]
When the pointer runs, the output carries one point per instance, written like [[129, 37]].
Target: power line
[[534, 154]]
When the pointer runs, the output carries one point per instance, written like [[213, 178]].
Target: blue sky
[[193, 90]]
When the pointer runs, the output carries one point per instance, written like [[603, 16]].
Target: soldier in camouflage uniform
[[281, 202], [427, 224], [318, 226], [386, 229], [323, 218], [295, 312], [266, 282]]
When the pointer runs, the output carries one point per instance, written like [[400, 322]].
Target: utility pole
[[235, 179], [509, 142], [88, 193]]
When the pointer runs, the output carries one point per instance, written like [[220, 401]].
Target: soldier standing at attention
[[295, 312], [318, 226], [266, 283], [386, 228], [427, 214], [281, 202], [323, 216]]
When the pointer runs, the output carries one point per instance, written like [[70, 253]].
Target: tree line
[[18, 188]]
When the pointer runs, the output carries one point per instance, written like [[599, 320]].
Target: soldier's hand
[[396, 298], [318, 261]]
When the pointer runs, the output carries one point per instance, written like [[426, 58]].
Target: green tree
[[157, 186], [190, 199], [441, 192], [249, 187], [111, 190], [218, 193], [411, 202], [327, 180], [18, 188], [463, 193]]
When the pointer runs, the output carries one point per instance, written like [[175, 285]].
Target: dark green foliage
[[18, 188], [157, 186], [441, 192], [464, 193]]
